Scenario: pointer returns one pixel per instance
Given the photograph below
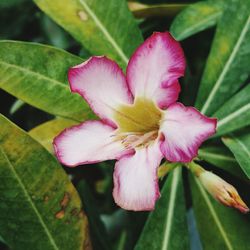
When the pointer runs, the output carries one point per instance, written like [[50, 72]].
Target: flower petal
[[135, 179], [102, 84], [89, 142], [184, 129], [154, 67]]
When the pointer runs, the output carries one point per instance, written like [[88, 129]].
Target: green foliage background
[[44, 205]]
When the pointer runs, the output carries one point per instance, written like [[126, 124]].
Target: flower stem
[[195, 168]]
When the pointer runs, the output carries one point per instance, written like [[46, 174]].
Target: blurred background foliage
[[199, 222]]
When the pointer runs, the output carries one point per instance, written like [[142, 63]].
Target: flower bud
[[222, 191]]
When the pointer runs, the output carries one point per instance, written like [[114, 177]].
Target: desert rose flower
[[140, 120]]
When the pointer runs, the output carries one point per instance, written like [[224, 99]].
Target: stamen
[[132, 140]]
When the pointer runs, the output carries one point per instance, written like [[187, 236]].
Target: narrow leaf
[[220, 227], [166, 227], [104, 27], [37, 75], [222, 158], [38, 204], [235, 113], [239, 144], [141, 10], [195, 18], [46, 132], [227, 67]]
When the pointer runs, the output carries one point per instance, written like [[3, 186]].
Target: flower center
[[138, 124]]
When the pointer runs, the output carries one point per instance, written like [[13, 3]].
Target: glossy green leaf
[[235, 113], [141, 10], [227, 67], [104, 27], [222, 158], [239, 144], [46, 132], [196, 17], [166, 227], [220, 227], [37, 74], [39, 207]]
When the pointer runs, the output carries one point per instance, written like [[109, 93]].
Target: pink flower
[[141, 122]]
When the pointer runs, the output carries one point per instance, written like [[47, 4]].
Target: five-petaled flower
[[140, 120]]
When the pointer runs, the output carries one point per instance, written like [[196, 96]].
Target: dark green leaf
[[221, 157], [239, 144], [227, 67], [39, 209], [97, 229], [166, 227], [235, 113]]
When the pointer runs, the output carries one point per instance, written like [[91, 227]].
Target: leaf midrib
[[236, 113], [226, 67], [169, 217], [214, 215], [104, 31], [33, 206], [218, 156], [241, 144], [36, 74]]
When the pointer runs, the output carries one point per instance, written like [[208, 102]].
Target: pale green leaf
[[227, 67], [141, 10], [166, 226], [37, 75], [104, 27], [39, 207], [239, 144], [196, 17], [235, 113], [46, 132], [220, 227]]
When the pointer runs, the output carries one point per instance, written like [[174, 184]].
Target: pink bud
[[222, 191]]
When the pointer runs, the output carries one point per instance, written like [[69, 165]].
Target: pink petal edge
[[184, 129], [88, 143], [154, 67], [101, 82]]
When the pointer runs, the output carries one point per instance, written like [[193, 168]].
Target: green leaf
[[97, 228], [37, 75], [40, 208], [104, 27], [141, 10], [235, 113], [196, 17], [10, 3], [220, 227], [46, 132], [166, 227], [239, 144], [227, 67], [221, 157]]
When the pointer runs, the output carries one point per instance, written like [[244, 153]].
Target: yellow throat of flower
[[138, 124]]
